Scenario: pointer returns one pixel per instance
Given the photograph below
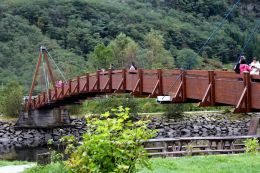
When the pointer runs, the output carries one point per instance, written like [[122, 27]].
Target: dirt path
[[15, 168]]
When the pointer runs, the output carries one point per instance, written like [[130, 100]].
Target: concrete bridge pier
[[44, 118]]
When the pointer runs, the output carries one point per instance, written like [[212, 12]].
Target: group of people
[[111, 67], [253, 68]]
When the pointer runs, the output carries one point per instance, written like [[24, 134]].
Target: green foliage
[[241, 163], [111, 144], [56, 157], [252, 145], [11, 99], [187, 59], [155, 54], [101, 57], [84, 35], [106, 104], [124, 51], [51, 168], [174, 110], [69, 143]]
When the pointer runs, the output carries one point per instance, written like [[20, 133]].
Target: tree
[[101, 57], [124, 50], [155, 55], [187, 59], [11, 99], [111, 144]]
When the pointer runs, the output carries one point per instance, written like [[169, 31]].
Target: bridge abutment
[[44, 118]]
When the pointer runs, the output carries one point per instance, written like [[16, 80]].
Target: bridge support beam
[[44, 118], [209, 96], [180, 95], [158, 88], [138, 89], [122, 85], [244, 104]]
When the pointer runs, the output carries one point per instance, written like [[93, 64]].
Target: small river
[[23, 154]]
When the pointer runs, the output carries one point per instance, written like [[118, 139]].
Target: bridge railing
[[208, 87]]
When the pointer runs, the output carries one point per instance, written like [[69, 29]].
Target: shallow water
[[23, 154]]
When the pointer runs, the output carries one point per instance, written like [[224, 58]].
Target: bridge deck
[[207, 87]]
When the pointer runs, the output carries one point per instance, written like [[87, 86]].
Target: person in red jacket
[[244, 67]]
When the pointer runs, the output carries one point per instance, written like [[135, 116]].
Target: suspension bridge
[[208, 88]]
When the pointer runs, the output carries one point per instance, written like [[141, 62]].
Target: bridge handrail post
[[69, 90], [55, 93], [98, 80], [140, 76], [110, 80], [212, 92], [124, 79], [78, 84], [183, 79], [87, 82], [160, 79], [62, 91], [247, 83]]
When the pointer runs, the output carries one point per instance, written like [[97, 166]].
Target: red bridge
[[209, 88]]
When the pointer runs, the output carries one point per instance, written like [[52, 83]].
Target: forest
[[85, 35]]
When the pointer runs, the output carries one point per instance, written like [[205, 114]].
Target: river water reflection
[[23, 154]]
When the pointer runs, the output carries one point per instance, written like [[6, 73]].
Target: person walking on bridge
[[244, 67], [255, 67]]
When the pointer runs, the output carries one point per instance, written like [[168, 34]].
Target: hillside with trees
[[84, 35]]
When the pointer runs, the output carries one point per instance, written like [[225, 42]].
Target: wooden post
[[124, 80], [44, 98], [140, 75], [62, 90], [78, 84], [49, 93], [98, 80], [110, 80], [212, 90], [69, 90], [183, 79], [87, 82], [160, 79], [247, 82], [34, 80], [56, 93]]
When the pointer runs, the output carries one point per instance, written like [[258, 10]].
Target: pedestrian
[[133, 66], [244, 67], [255, 67], [237, 66], [111, 67]]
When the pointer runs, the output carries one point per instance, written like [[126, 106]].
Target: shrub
[[106, 104], [252, 145], [174, 110], [11, 99], [111, 144]]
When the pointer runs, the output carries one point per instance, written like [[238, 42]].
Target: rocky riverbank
[[202, 124], [191, 125]]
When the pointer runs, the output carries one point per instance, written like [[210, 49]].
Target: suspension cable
[[63, 76], [219, 26], [254, 30]]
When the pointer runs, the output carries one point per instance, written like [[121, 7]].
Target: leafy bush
[[106, 104], [174, 110], [111, 144], [11, 99], [252, 145]]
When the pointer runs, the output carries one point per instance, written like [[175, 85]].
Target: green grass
[[51, 168], [7, 163], [243, 163]]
